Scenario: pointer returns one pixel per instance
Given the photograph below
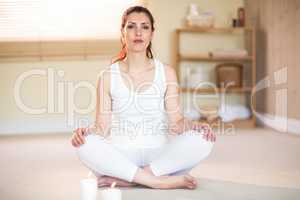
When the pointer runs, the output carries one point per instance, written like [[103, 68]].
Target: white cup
[[111, 194], [88, 189]]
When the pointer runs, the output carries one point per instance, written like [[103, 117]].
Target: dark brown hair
[[139, 9]]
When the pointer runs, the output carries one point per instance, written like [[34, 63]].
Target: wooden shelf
[[216, 90], [249, 35], [213, 30], [195, 57], [58, 48]]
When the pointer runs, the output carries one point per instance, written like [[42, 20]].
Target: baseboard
[[34, 127], [281, 124]]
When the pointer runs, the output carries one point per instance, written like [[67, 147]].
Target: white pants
[[180, 155]]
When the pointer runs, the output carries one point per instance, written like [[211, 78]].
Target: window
[[47, 20]]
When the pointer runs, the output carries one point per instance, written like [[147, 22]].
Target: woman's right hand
[[78, 136]]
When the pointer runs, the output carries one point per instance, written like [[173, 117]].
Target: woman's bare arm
[[103, 112], [177, 122], [104, 103]]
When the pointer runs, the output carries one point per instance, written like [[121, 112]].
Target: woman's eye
[[146, 27], [130, 26]]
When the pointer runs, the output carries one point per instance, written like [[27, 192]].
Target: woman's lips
[[138, 41]]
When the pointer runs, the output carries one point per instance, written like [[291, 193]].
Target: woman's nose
[[138, 31]]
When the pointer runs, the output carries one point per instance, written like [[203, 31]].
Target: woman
[[137, 112]]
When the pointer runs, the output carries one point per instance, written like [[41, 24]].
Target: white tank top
[[138, 119]]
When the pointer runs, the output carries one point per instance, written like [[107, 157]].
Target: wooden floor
[[46, 166]]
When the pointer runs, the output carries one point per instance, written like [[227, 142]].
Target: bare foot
[[104, 181], [176, 182], [148, 169], [173, 182]]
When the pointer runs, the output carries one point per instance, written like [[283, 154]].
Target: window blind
[[47, 20]]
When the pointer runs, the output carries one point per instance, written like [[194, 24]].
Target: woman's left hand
[[208, 133]]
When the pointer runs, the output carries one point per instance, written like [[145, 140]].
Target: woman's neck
[[136, 61]]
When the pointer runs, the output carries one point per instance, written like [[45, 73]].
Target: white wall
[[34, 89]]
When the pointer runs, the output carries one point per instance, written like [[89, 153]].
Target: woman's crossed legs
[[164, 168]]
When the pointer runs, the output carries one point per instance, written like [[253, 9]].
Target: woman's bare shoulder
[[170, 72], [104, 78]]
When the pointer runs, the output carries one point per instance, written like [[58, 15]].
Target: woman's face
[[137, 32]]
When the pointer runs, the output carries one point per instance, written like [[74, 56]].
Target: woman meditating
[[140, 135]]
